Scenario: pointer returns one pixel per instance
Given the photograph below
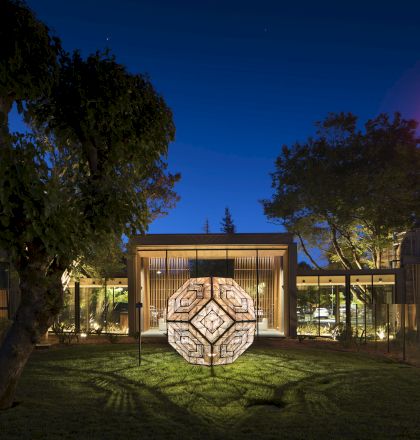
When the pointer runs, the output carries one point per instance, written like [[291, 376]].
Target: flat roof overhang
[[326, 277], [210, 245], [338, 272], [100, 282]]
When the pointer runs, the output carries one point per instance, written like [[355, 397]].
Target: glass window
[[361, 294], [67, 313], [245, 274], [307, 304], [332, 306], [239, 265], [166, 276], [117, 317], [384, 288]]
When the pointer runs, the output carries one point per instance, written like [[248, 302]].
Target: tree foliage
[[227, 225], [349, 190], [28, 57], [107, 260], [92, 167]]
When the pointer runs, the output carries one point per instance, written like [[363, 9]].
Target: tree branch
[[344, 261], [354, 253], [305, 250]]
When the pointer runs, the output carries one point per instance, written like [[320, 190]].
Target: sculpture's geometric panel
[[211, 321], [235, 341], [231, 295], [189, 299], [188, 342]]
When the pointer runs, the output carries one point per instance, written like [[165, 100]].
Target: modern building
[[288, 300], [264, 265]]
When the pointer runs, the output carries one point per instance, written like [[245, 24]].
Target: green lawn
[[99, 392]]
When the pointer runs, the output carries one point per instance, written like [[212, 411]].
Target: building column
[[132, 290], [77, 306], [348, 305], [289, 291]]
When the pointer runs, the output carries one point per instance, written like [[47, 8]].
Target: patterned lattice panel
[[211, 321]]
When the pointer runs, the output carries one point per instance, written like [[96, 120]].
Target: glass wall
[[104, 309], [383, 288], [118, 309], [332, 303], [99, 308], [245, 274], [307, 301], [361, 302], [67, 315], [164, 275], [321, 305]]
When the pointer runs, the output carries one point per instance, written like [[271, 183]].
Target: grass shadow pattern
[[99, 392]]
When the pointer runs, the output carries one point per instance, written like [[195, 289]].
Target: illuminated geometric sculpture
[[211, 321]]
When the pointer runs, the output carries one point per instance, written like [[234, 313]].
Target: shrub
[[66, 333], [308, 328]]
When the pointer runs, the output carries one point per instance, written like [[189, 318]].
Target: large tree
[[28, 59], [348, 190], [91, 167]]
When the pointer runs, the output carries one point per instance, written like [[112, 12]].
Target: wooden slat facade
[[245, 274], [163, 281]]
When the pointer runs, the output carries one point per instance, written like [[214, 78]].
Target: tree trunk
[[41, 300], [344, 261], [5, 107]]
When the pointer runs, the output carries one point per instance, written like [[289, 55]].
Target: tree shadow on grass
[[261, 395]]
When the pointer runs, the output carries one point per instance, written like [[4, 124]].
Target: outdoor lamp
[[211, 321]]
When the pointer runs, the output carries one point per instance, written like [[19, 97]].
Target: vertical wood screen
[[162, 286], [245, 274]]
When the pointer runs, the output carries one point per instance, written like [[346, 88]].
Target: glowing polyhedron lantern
[[211, 321]]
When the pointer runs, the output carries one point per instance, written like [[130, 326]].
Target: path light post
[[139, 305]]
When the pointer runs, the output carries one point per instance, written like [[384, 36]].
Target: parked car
[[321, 312]]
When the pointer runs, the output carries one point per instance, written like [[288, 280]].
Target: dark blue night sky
[[243, 78]]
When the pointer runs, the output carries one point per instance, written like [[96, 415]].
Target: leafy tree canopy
[[107, 260], [28, 57], [91, 168], [348, 190]]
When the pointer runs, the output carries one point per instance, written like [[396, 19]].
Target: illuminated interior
[[260, 272]]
